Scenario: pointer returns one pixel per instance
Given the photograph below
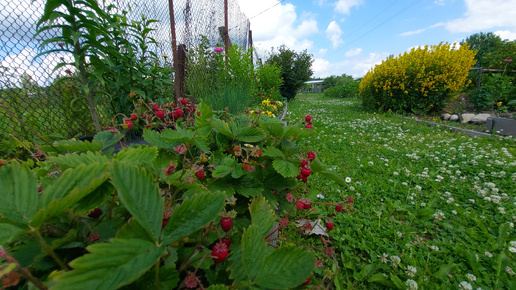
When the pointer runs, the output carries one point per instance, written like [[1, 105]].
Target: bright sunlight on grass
[[432, 208]]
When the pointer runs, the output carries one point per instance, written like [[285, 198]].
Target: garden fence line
[[28, 86]]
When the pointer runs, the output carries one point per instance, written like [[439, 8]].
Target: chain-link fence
[[32, 98]]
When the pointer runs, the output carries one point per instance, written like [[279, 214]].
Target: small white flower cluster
[[411, 284], [509, 271], [395, 260], [410, 271], [438, 216], [465, 286], [434, 248], [471, 277]]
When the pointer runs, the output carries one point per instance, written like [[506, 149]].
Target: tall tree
[[484, 44], [295, 69]]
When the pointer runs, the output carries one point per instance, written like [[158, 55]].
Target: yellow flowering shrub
[[421, 81]]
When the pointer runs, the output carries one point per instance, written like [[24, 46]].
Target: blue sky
[[351, 36]]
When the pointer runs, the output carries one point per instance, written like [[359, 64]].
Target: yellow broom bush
[[421, 81]]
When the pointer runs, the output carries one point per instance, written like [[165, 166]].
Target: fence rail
[[28, 85]]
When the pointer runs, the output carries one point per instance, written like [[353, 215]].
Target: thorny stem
[[49, 250], [24, 272]]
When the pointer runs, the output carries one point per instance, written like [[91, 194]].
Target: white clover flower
[[395, 260], [410, 271], [509, 270], [471, 277], [418, 188], [501, 210], [352, 188], [488, 254], [434, 248], [439, 215], [411, 284], [384, 258], [371, 163], [320, 196], [465, 286], [454, 212], [399, 234], [450, 200], [423, 204], [513, 243]]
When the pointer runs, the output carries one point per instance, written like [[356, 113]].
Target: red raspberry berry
[[306, 171], [308, 119], [200, 174], [226, 223], [308, 126], [304, 163], [95, 213], [300, 205], [306, 204], [246, 166], [129, 124], [219, 252], [160, 114], [155, 107], [305, 180], [307, 281], [310, 155], [338, 208], [198, 113], [164, 223], [226, 241], [351, 199], [184, 101], [179, 112], [133, 117], [329, 225]]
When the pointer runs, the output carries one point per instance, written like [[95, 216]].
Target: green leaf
[[73, 185], [140, 195], [94, 199], [317, 166], [367, 271], [272, 152], [133, 230], [192, 214], [73, 146], [381, 279], [276, 130], [74, 160], [250, 135], [254, 250], [239, 123], [444, 270], [503, 231], [247, 186], [8, 232], [19, 197], [286, 267], [155, 139], [206, 113], [221, 127], [262, 215], [107, 138], [110, 265], [138, 156], [397, 281], [333, 176], [285, 168], [297, 132], [173, 135], [500, 264]]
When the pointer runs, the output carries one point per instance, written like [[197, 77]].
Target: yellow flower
[[499, 104]]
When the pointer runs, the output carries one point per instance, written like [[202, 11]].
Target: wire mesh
[[31, 97]]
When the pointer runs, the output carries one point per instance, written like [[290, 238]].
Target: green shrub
[[345, 88], [421, 81]]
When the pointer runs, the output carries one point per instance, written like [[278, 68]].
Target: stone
[[480, 118], [466, 118], [454, 118], [502, 126], [445, 117]]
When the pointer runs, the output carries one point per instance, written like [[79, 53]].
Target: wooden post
[[251, 43], [181, 67], [480, 77], [226, 31], [175, 59]]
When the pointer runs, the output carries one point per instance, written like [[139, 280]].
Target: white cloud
[[362, 66], [485, 14], [506, 34], [277, 26], [333, 32], [344, 6], [408, 33], [353, 52], [321, 67], [322, 51]]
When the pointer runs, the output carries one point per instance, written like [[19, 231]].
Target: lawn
[[432, 209]]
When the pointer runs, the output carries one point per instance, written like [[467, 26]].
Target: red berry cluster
[[308, 120], [305, 167]]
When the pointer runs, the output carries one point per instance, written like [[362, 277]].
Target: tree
[[295, 69], [485, 44]]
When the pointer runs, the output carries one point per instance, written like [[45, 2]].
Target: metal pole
[[226, 31], [251, 44]]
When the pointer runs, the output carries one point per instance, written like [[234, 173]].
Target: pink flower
[[181, 149], [219, 49], [191, 281], [290, 197], [508, 60]]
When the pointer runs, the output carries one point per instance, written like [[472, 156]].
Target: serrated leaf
[[172, 135], [297, 132], [286, 267], [333, 176], [397, 281], [251, 135], [107, 138], [285, 168], [19, 193], [206, 113], [271, 151], [254, 250], [192, 214], [137, 156], [262, 215], [367, 271], [140, 195], [221, 171], [154, 138], [133, 230], [110, 265], [94, 199], [247, 186], [238, 123], [274, 129], [221, 127], [317, 166], [73, 185], [72, 146], [74, 159], [8, 232]]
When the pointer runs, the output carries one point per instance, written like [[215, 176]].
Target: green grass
[[444, 203]]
